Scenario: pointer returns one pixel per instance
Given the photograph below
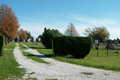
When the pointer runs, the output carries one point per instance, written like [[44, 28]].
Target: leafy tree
[[99, 33], [37, 39], [71, 31], [16, 39], [46, 37], [8, 23], [23, 35], [28, 35], [32, 39]]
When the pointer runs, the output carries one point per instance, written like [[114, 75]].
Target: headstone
[[96, 44], [109, 45], [96, 41]]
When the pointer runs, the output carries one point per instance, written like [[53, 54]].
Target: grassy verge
[[10, 45], [21, 46], [110, 62], [8, 65], [87, 73], [34, 57]]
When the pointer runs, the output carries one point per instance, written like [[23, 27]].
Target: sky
[[35, 15]]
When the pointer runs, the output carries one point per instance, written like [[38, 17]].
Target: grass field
[[34, 57], [30, 55], [110, 62], [8, 66]]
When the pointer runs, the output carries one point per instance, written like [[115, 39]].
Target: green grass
[[106, 74], [34, 46], [34, 57], [8, 65], [87, 73], [40, 48], [30, 79], [110, 62], [10, 45], [51, 79], [22, 47]]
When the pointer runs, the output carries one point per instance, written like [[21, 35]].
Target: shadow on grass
[[23, 47], [37, 48], [50, 55], [32, 48], [41, 56]]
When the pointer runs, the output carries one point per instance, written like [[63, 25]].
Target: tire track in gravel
[[59, 70]]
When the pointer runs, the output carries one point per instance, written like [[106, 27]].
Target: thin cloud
[[106, 20], [81, 23], [93, 21]]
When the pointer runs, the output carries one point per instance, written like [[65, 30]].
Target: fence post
[[97, 53]]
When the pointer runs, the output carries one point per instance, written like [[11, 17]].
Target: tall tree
[[46, 37], [23, 35], [28, 35], [32, 39], [37, 39], [16, 39], [99, 33], [71, 31], [8, 23]]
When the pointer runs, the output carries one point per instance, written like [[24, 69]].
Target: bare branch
[[71, 31]]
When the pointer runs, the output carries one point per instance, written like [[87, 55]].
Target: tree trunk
[[6, 40]]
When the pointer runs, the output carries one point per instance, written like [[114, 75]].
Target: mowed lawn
[[110, 62], [8, 66]]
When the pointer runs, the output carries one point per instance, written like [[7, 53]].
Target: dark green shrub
[[2, 40], [46, 37], [79, 47]]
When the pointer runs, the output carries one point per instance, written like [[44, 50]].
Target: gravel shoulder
[[59, 70]]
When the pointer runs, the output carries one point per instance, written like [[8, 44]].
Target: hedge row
[[79, 47], [2, 39]]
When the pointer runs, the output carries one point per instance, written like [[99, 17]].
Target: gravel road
[[59, 70]]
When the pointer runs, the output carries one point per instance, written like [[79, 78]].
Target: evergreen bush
[[2, 40], [79, 47], [46, 37]]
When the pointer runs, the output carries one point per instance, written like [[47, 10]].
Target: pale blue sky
[[34, 15]]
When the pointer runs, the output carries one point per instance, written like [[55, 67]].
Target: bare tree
[[71, 31]]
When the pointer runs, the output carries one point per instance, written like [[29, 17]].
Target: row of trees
[[99, 33], [9, 26], [24, 35], [8, 23]]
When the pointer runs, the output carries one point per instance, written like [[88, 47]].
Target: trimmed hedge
[[79, 47], [2, 39]]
